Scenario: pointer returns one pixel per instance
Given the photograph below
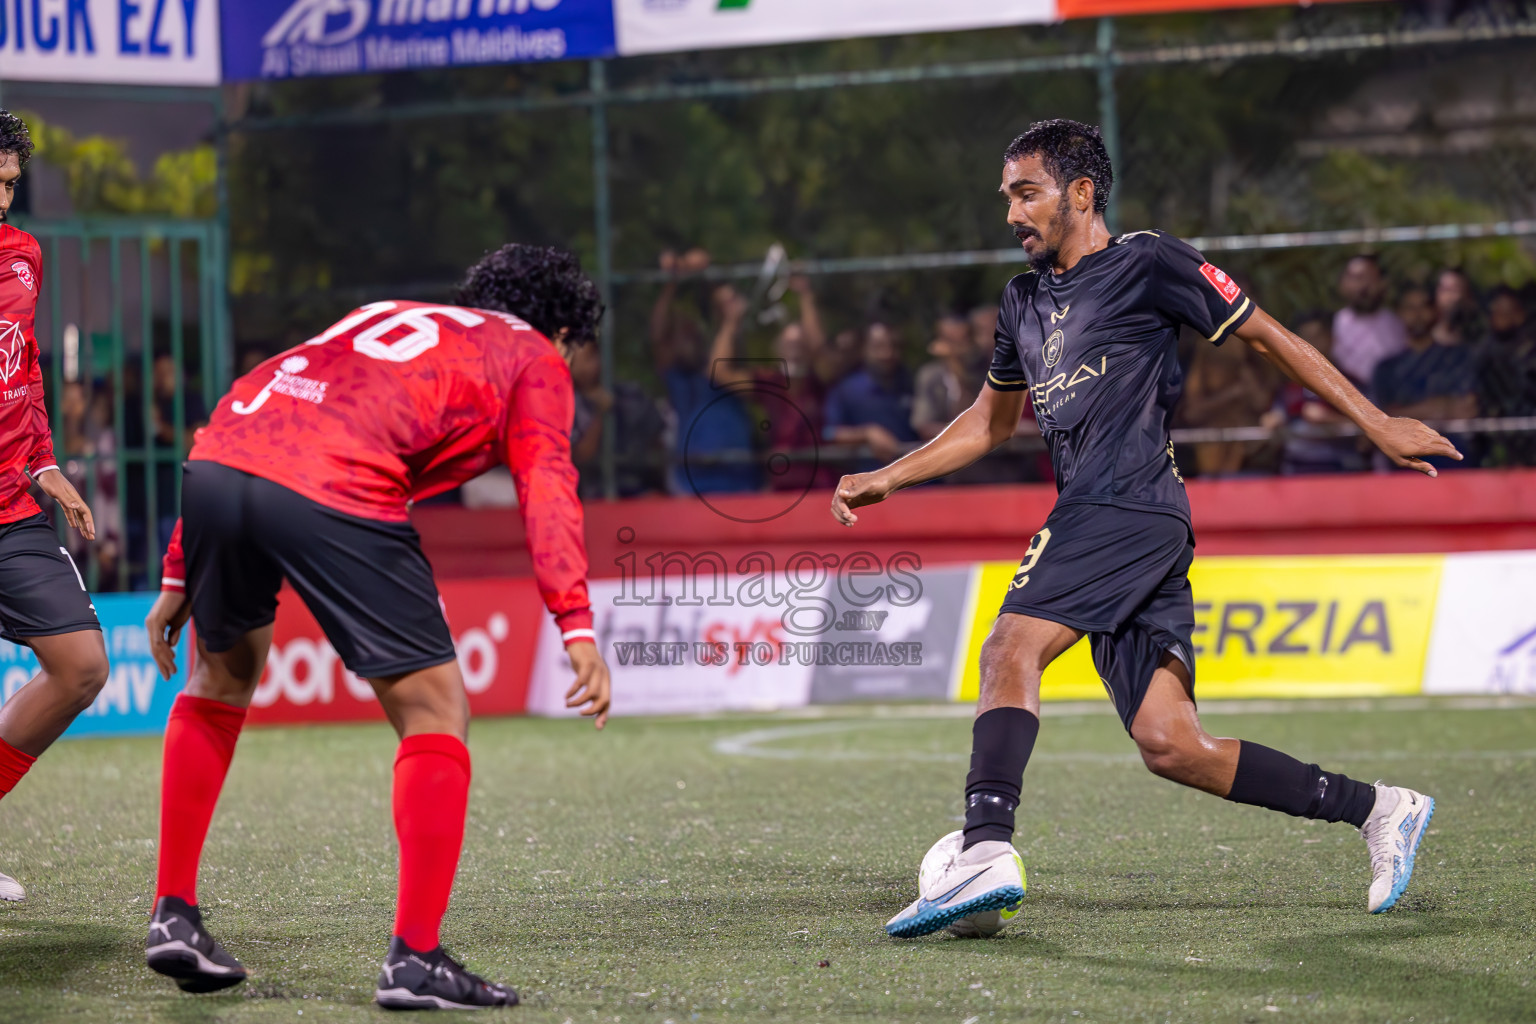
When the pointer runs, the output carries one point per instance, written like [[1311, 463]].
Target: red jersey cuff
[[172, 584], [575, 625]]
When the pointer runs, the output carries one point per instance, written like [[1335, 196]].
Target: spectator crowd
[[757, 393], [813, 404]]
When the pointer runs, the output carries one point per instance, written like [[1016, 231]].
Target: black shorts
[[41, 592], [366, 581], [1121, 576]]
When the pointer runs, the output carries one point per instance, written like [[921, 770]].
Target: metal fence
[[1121, 62], [132, 324], [1261, 210]]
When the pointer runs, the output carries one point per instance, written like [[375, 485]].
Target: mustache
[[1022, 232]]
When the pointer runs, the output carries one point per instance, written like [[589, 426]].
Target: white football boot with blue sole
[[989, 876], [1392, 834]]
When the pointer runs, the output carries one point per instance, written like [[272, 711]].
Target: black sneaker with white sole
[[179, 948], [434, 981]]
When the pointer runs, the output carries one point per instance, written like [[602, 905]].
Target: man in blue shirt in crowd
[[712, 452], [873, 405]]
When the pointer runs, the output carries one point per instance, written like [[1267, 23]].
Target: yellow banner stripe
[[1282, 626]]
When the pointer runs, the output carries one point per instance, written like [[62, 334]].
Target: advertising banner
[[1484, 639], [1102, 8], [494, 625], [135, 700], [661, 26], [299, 38], [1323, 626], [686, 633], [139, 42], [932, 621]]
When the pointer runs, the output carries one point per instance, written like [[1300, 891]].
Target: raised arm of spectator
[[731, 306], [810, 318], [661, 314], [694, 261]]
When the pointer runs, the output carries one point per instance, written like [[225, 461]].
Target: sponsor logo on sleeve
[[1222, 282], [24, 274]]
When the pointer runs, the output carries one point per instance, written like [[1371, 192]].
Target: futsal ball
[[937, 862]]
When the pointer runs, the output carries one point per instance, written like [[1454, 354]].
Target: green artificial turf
[[740, 868]]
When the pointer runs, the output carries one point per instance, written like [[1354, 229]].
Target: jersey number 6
[[423, 333]]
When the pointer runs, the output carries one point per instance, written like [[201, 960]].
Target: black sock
[[1001, 741], [1268, 778]]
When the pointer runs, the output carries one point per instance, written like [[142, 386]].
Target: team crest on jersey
[[24, 274], [1054, 346], [1221, 282], [13, 350]]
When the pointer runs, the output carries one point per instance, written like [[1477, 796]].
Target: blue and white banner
[[138, 42], [298, 38], [135, 700]]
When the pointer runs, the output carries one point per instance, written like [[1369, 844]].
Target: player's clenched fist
[[855, 491]]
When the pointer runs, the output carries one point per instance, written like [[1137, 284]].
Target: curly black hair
[[14, 137], [537, 283], [1070, 150]]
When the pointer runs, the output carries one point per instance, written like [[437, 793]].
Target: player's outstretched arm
[[990, 421], [1400, 438]]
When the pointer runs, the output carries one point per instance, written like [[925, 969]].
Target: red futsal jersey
[[24, 431], [403, 400]]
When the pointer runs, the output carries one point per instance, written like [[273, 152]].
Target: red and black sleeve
[[173, 567]]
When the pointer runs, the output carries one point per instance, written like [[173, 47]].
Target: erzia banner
[[1289, 626]]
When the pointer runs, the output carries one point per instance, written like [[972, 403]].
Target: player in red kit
[[43, 603], [306, 471]]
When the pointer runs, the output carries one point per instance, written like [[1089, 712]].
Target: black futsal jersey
[[1097, 346]]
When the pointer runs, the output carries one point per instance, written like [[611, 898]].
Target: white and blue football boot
[[965, 892], [1392, 834]]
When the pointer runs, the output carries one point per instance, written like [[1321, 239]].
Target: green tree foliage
[[328, 216], [102, 178]]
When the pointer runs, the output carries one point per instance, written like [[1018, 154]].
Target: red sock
[[199, 743], [13, 765], [431, 794]]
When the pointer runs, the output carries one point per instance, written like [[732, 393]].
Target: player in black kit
[[1090, 337]]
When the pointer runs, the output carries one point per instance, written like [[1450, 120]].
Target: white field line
[[1057, 709], [751, 744]]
